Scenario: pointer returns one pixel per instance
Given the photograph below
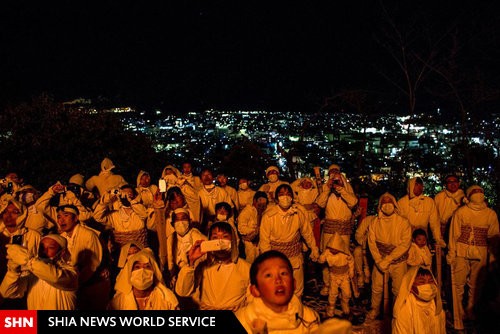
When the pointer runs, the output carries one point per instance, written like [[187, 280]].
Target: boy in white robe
[[282, 228], [145, 189], [420, 210], [389, 238], [272, 174], [86, 255], [220, 280], [337, 198], [184, 237], [249, 225], [419, 253], [341, 266], [275, 308], [245, 193], [418, 308]]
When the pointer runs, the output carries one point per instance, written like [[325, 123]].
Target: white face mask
[[142, 278], [477, 198], [273, 178], [181, 227], [387, 208], [427, 292], [221, 217], [243, 186], [285, 201]]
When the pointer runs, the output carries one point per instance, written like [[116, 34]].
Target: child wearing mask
[[126, 252], [282, 228], [419, 253], [245, 193], [341, 267], [418, 308], [224, 213], [220, 281], [141, 286], [183, 239], [272, 174]]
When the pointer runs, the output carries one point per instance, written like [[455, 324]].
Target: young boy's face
[[275, 283], [420, 241]]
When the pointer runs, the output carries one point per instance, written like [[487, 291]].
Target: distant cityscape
[[325, 138]]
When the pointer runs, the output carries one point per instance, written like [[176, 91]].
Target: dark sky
[[222, 54]]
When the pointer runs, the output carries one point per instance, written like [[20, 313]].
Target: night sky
[[220, 54]]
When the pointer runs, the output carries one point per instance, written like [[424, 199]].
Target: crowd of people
[[194, 242]]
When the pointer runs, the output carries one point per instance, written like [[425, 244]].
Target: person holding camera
[[122, 212], [51, 282], [338, 199], [13, 230], [58, 195], [10, 184], [220, 280]]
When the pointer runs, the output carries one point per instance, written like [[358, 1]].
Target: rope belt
[[386, 249], [139, 236], [339, 270], [343, 227], [480, 236], [291, 248]]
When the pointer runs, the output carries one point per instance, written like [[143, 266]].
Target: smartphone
[[17, 240], [162, 184], [215, 245]]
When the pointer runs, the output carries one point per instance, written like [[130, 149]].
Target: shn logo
[[19, 322]]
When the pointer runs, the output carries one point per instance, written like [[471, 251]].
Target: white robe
[[285, 322], [226, 289], [48, 286], [161, 298]]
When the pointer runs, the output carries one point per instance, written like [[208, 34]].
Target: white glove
[[18, 254]]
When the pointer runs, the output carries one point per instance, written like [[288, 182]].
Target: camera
[[17, 240], [75, 189], [10, 188], [116, 192]]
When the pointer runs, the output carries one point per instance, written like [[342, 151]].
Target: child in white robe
[[418, 308], [141, 286], [419, 253], [341, 269], [220, 280]]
